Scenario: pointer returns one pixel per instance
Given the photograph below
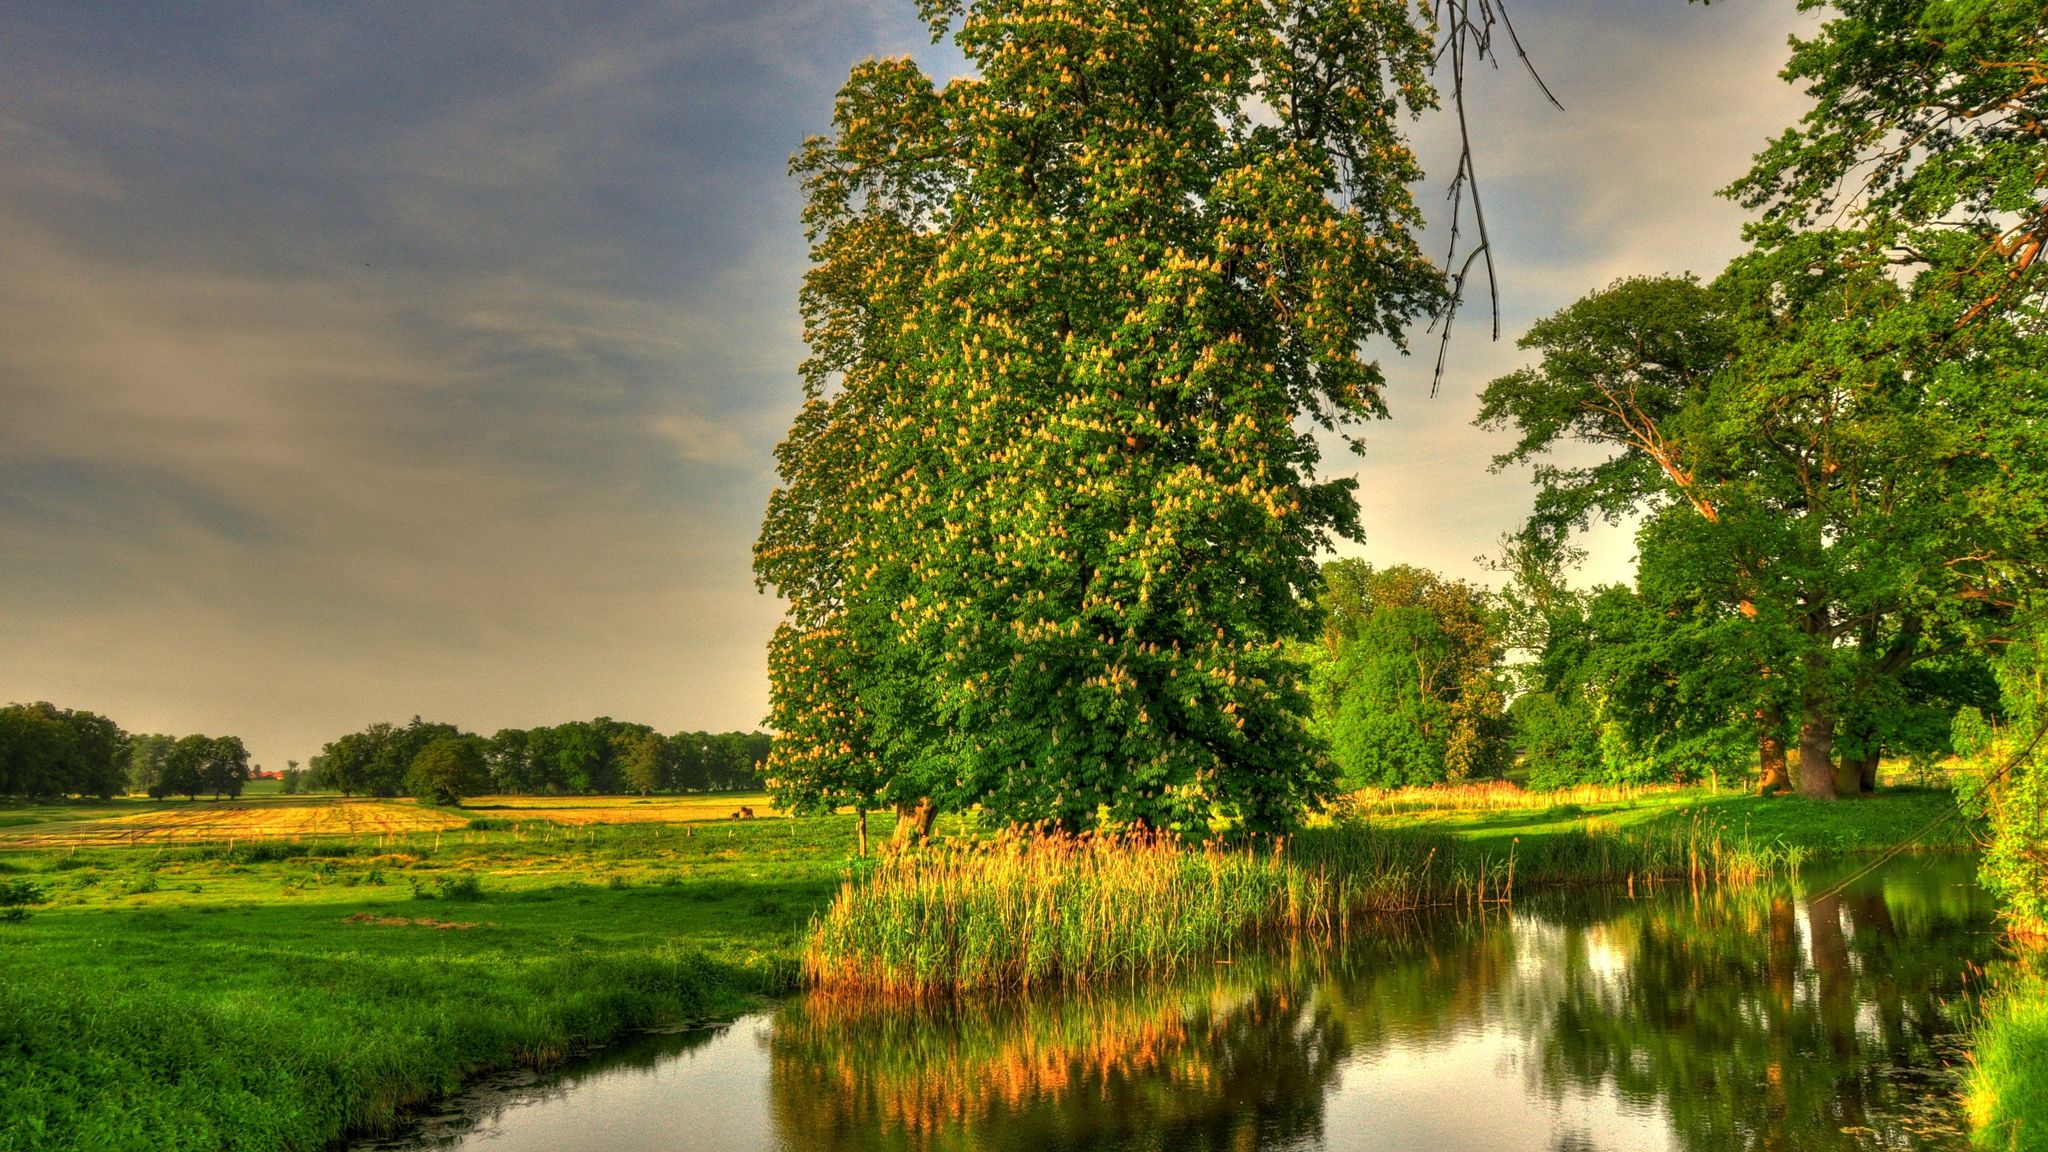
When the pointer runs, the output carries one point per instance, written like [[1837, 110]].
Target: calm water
[[1751, 1020]]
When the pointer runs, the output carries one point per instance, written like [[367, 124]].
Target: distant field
[[173, 822], [621, 809], [138, 821]]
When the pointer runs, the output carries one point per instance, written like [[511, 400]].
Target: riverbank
[[276, 993], [2008, 1091]]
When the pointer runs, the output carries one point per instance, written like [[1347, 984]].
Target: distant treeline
[[581, 757], [47, 751]]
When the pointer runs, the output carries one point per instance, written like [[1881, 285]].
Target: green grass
[[2008, 1090], [1864, 824], [279, 995]]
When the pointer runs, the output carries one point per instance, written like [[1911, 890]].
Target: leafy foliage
[[584, 757], [1409, 692], [50, 751], [1047, 515], [448, 769], [2015, 866], [1969, 733], [1925, 112], [1838, 490]]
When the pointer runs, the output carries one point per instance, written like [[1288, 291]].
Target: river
[[1793, 1016]]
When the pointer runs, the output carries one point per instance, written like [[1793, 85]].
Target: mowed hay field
[[621, 809], [137, 821]]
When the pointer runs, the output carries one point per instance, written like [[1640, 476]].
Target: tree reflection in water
[[1745, 1020]]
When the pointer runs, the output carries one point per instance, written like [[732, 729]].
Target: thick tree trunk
[[1816, 715], [1817, 754], [914, 822], [1772, 774], [1867, 779]]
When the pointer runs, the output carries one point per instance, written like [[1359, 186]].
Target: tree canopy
[[1830, 475], [1047, 517], [1928, 116], [47, 751], [1407, 687]]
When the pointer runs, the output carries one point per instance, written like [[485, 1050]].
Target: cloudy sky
[[363, 360]]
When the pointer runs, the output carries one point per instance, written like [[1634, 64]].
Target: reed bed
[[1494, 796], [1025, 910]]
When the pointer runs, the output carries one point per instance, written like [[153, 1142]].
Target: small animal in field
[[743, 813]]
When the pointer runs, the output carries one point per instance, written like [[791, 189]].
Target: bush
[[462, 886], [19, 893]]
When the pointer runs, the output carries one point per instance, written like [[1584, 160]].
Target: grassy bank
[[2008, 1090], [278, 994], [1021, 911]]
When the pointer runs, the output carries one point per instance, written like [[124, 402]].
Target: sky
[[364, 361]]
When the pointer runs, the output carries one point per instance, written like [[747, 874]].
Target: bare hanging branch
[[1468, 28]]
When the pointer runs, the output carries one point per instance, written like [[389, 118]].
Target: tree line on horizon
[[48, 752], [443, 763]]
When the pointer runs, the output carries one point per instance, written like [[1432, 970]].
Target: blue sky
[[365, 360]]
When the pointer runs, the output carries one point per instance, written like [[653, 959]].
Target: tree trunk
[[1817, 754], [914, 822], [1848, 774], [1858, 773], [1772, 775], [863, 833], [1816, 716]]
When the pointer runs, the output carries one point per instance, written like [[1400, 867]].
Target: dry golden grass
[[620, 809], [172, 822], [302, 817]]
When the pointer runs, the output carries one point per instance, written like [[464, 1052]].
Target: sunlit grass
[[1500, 796], [2008, 1088]]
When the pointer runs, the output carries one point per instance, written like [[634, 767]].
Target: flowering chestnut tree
[[1047, 517]]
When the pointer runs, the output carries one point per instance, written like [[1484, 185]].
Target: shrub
[[19, 893], [461, 886]]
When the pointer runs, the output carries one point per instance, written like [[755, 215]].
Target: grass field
[[273, 972], [164, 822], [272, 993]]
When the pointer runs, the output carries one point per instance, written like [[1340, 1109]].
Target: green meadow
[[279, 992]]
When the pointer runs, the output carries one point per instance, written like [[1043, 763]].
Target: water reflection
[[1747, 1020], [1755, 1020]]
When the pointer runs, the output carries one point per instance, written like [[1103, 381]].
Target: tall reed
[[1021, 910]]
